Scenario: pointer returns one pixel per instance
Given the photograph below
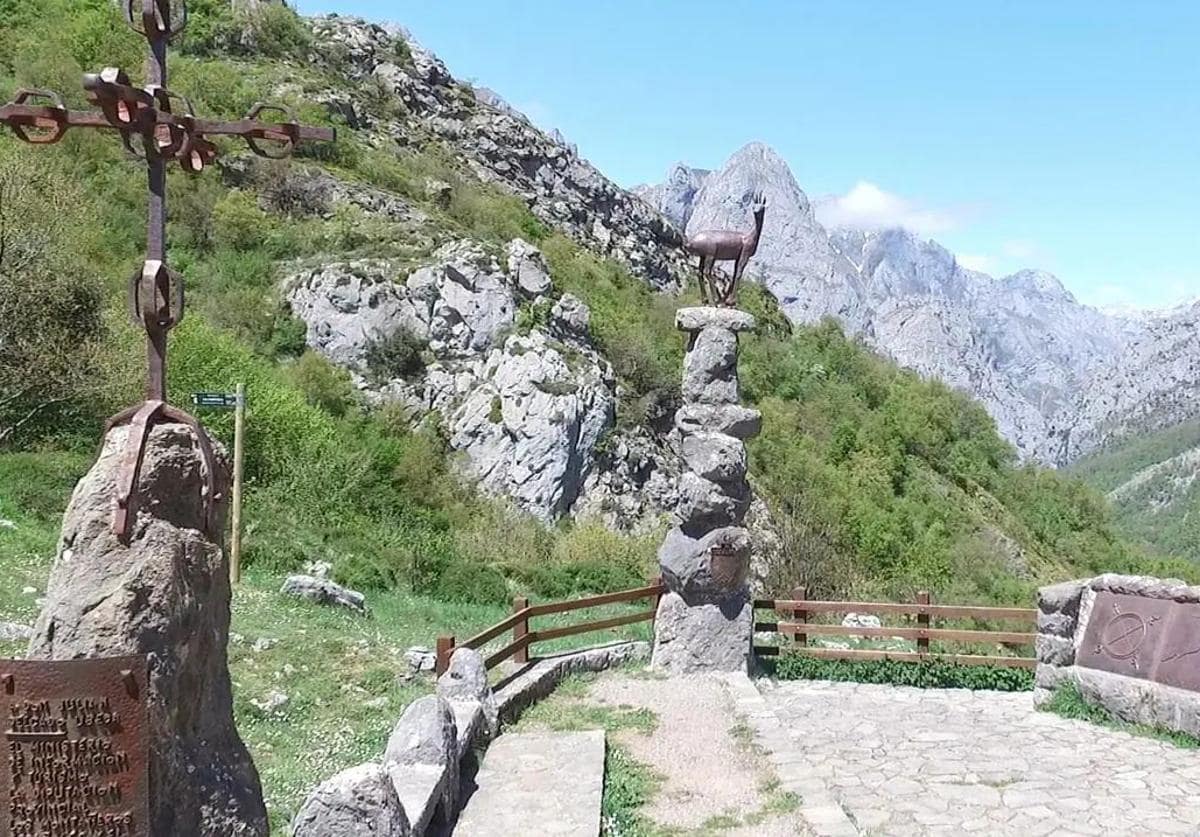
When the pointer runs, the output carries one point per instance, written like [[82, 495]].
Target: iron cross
[[158, 126]]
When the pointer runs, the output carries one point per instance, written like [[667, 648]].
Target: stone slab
[[1147, 638], [706, 316], [544, 783]]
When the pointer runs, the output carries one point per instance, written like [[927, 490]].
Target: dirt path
[[712, 781]]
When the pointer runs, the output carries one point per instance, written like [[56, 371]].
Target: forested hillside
[[877, 482], [1150, 480]]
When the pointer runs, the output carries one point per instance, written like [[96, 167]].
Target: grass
[[1069, 702]]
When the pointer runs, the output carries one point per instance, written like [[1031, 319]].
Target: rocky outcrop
[[1153, 384], [164, 594], [500, 145], [704, 620], [527, 407]]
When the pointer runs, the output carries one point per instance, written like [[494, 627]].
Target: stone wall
[[416, 786], [1127, 643]]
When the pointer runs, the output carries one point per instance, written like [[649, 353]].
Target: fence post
[[655, 598], [521, 629], [800, 615], [445, 649], [923, 622]]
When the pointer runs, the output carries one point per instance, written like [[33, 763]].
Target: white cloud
[[869, 207], [984, 264]]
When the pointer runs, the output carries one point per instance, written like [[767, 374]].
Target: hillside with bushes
[[876, 481]]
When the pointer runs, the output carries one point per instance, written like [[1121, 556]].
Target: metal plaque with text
[[75, 748]]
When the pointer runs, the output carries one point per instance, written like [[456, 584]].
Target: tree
[[50, 305]]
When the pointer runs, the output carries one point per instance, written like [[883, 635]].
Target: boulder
[[709, 368], [164, 594], [420, 659], [714, 636], [705, 505], [424, 735], [715, 456], [358, 802], [466, 680], [687, 565], [527, 269], [730, 419], [703, 317], [323, 591]]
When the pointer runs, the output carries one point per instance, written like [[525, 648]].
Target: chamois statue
[[714, 246]]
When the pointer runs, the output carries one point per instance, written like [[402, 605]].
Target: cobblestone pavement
[[935, 761]]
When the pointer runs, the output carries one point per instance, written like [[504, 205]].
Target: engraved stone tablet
[[75, 748], [1123, 634], [1179, 654]]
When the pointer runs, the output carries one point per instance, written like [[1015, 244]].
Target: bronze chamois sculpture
[[714, 246]]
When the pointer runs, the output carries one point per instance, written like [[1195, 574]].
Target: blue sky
[[1061, 135]]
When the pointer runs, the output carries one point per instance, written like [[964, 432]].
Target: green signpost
[[231, 401]]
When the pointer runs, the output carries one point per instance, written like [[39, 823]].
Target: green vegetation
[[1069, 702], [923, 675], [1161, 509]]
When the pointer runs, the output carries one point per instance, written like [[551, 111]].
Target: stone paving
[[932, 761], [543, 783]]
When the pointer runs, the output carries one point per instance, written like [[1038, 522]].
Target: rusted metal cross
[[158, 126]]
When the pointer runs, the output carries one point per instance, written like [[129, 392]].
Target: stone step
[[543, 783]]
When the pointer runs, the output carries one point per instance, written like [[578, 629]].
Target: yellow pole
[[235, 546]]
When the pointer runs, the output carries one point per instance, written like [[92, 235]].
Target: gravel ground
[[707, 771]]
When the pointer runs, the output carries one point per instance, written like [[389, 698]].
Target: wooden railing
[[523, 637], [796, 612]]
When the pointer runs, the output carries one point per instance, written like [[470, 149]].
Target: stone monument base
[[714, 636], [1130, 644]]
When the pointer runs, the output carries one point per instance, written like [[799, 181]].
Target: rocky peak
[[1045, 366], [499, 144]]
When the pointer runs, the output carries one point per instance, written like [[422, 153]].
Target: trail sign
[[216, 400]]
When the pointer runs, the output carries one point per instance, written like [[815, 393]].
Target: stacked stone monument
[[705, 620]]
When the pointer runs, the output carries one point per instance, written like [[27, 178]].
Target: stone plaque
[[1123, 634], [75, 749], [1179, 655], [1153, 639]]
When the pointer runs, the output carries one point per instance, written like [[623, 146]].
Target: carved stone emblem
[[1152, 639]]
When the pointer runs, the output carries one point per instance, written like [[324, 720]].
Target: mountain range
[[1060, 378]]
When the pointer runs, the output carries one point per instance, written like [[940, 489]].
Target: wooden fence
[[795, 615], [523, 637]]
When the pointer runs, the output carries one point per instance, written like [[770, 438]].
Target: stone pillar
[[166, 595], [705, 621]]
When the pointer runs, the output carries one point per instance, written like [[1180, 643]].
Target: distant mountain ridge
[[1060, 378]]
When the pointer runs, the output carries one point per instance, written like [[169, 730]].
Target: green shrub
[[470, 582], [238, 222], [323, 384], [397, 355], [924, 675]]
